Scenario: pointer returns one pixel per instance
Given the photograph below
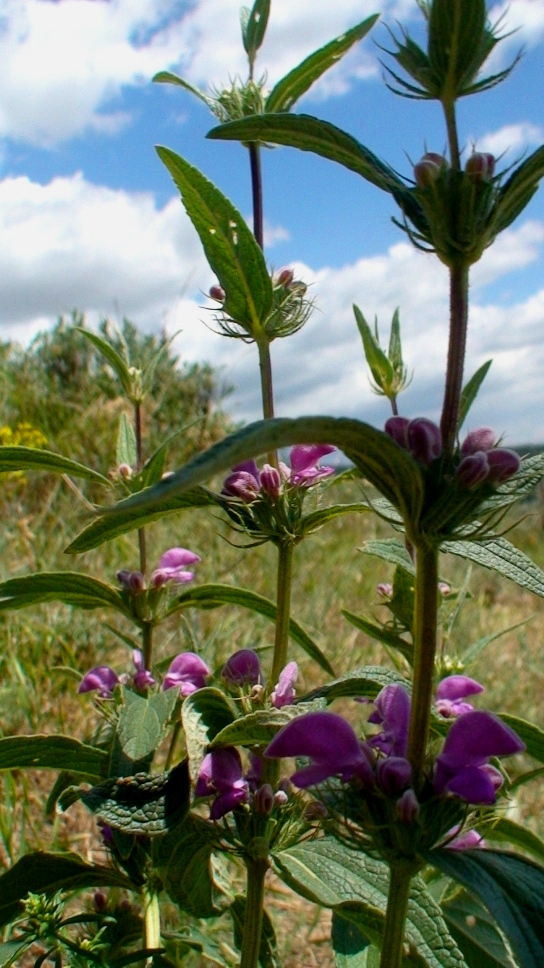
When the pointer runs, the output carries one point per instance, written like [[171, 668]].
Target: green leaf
[[395, 343], [145, 803], [142, 724], [121, 521], [475, 932], [532, 736], [69, 587], [517, 192], [254, 27], [381, 634], [45, 873], [512, 889], [53, 753], [260, 727], [213, 596], [508, 831], [356, 886], [167, 77], [204, 714], [31, 459], [267, 951], [351, 948], [316, 519], [470, 391], [291, 87], [382, 462], [193, 876], [366, 681], [473, 651], [501, 556], [126, 443], [230, 246], [116, 361], [455, 38], [389, 549], [379, 363]]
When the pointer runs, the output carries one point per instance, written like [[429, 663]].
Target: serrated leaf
[[455, 38], [68, 587], [388, 467], [291, 87], [381, 634], [389, 549], [192, 875], [532, 735], [145, 803], [512, 889], [506, 830], [214, 596], [254, 28], [45, 873], [329, 873], [475, 932], [501, 556], [366, 681], [126, 452], [30, 459], [120, 522], [204, 714], [142, 723], [260, 727], [470, 391], [230, 246], [53, 753]]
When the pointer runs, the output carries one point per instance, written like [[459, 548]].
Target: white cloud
[[522, 19], [71, 244], [514, 138]]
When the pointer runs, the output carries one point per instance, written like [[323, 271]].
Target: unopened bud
[[444, 588], [133, 581], [397, 429], [480, 166], [407, 807], [243, 668], [424, 440], [385, 589], [271, 481], [483, 438], [394, 775], [124, 471], [503, 464], [473, 469], [218, 293], [243, 485], [281, 798], [100, 901], [428, 170], [263, 800], [284, 277]]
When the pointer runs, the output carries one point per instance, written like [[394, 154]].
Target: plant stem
[[139, 465], [395, 917], [451, 127], [253, 921], [459, 274], [425, 634], [147, 643], [152, 920], [257, 192], [283, 605]]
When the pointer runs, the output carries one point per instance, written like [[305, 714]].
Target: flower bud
[[473, 469], [385, 589], [124, 471], [503, 464], [284, 277], [243, 668], [483, 438], [271, 481], [407, 807], [133, 581], [444, 588], [243, 485], [394, 775], [100, 901], [397, 429], [217, 293], [263, 800], [424, 440], [480, 166], [280, 798], [428, 170]]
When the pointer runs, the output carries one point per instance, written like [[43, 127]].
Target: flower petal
[[304, 456], [458, 687]]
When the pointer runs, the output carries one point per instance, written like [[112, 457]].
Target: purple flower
[[142, 678], [462, 767], [284, 691], [172, 567], [133, 581], [385, 589], [243, 668], [503, 464], [397, 429], [221, 776], [188, 672], [483, 438], [452, 690], [331, 744], [392, 712], [304, 459], [394, 775], [420, 436], [467, 840], [101, 678], [473, 469], [243, 485], [271, 481]]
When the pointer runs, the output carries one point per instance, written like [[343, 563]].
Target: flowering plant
[[387, 823]]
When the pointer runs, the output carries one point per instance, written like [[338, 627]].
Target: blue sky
[[89, 218]]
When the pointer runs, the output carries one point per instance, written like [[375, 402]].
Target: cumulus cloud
[[515, 138]]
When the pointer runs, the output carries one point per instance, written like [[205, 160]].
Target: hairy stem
[[152, 920], [395, 917], [253, 921], [147, 643], [283, 605], [459, 274], [425, 634], [139, 463]]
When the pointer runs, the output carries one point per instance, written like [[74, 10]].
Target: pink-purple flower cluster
[[187, 672], [247, 482], [172, 568]]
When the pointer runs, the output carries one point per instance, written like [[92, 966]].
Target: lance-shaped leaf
[[167, 77], [30, 459], [126, 451], [475, 932], [213, 596], [53, 753], [45, 873], [456, 29], [230, 246], [116, 361], [254, 24], [470, 391], [389, 549], [193, 876], [142, 804], [124, 520], [507, 831], [516, 193], [381, 634], [291, 87], [503, 557], [531, 734], [382, 462], [260, 727], [512, 889], [356, 886], [68, 587]]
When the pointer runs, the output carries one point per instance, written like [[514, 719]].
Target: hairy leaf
[[141, 727], [68, 587], [204, 714], [367, 681], [501, 556], [260, 727], [142, 804], [17, 458], [192, 874], [53, 753], [475, 932], [389, 549]]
